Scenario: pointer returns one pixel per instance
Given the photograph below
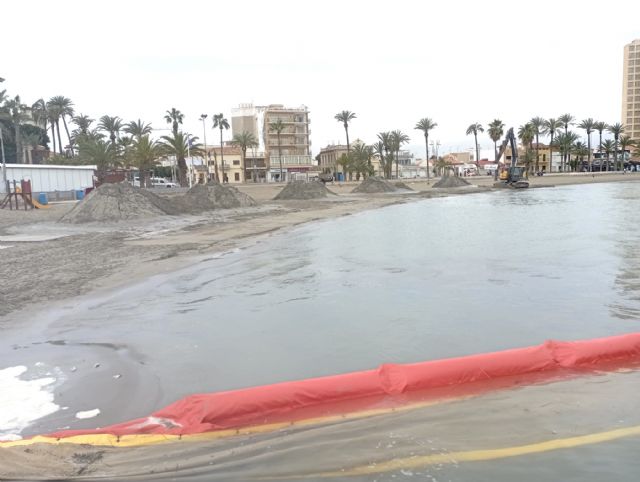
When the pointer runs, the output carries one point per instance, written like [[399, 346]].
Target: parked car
[[162, 182]]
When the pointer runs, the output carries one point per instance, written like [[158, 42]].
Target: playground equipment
[[17, 194]]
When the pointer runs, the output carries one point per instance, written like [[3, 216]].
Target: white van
[[162, 182]]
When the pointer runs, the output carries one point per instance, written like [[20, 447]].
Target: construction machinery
[[513, 176]]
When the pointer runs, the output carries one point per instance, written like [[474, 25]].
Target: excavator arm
[[510, 139]]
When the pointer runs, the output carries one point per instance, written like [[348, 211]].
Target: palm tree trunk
[[182, 171], [19, 152], [346, 130], [475, 135], [537, 152], [589, 153], [59, 138], [53, 136], [426, 143], [280, 158], [66, 128], [221, 154]]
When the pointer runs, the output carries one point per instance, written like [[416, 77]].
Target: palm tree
[[174, 117], [608, 146], [496, 131], [83, 122], [565, 142], [474, 129], [65, 108], [579, 150], [221, 123], [16, 112], [617, 130], [387, 143], [600, 127], [278, 127], [245, 140], [588, 125], [54, 118], [30, 142], [526, 134], [111, 125], [425, 125], [98, 152], [625, 143], [177, 145], [379, 150], [538, 125], [550, 128], [144, 155], [397, 140], [137, 129], [345, 116], [362, 155], [566, 120], [40, 115]]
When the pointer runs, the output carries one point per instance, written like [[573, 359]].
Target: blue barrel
[[79, 194], [42, 198]]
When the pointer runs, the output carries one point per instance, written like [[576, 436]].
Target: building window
[[236, 175], [236, 163]]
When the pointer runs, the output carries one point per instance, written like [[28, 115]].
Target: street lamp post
[[203, 117], [4, 164]]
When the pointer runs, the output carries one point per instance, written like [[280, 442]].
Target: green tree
[[551, 128], [537, 123], [425, 125], [244, 140], [588, 125], [579, 150], [65, 108], [474, 129], [565, 142], [144, 155], [397, 140], [626, 142], [567, 120], [40, 115], [345, 117], [53, 114], [387, 144], [112, 126], [97, 152], [30, 142], [379, 150], [175, 118], [83, 122], [177, 145], [278, 127], [345, 162], [221, 123], [137, 129], [600, 127], [608, 146], [362, 155], [17, 113], [617, 130], [496, 131]]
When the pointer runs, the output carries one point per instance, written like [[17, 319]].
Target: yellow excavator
[[513, 176]]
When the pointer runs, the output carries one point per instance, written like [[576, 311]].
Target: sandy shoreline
[[83, 259]]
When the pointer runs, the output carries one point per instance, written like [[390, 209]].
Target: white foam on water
[[23, 401], [88, 413]]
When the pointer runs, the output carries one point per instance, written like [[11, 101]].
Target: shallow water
[[429, 279]]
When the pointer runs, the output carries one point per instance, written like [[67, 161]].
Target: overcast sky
[[391, 63]]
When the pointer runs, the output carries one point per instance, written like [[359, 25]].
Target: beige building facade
[[292, 150], [631, 90]]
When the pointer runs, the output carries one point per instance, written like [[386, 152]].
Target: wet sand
[[72, 261]]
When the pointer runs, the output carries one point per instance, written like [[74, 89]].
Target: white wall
[[49, 178]]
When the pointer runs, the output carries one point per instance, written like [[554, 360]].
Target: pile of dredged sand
[[303, 190], [402, 185], [118, 202], [205, 197], [375, 184], [451, 181]]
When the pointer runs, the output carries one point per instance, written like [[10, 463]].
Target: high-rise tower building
[[631, 90]]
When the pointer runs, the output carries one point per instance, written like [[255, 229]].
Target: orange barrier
[[389, 384]]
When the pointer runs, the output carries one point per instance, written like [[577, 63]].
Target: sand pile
[[118, 202], [451, 181], [375, 184], [204, 197], [402, 185], [303, 190]]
